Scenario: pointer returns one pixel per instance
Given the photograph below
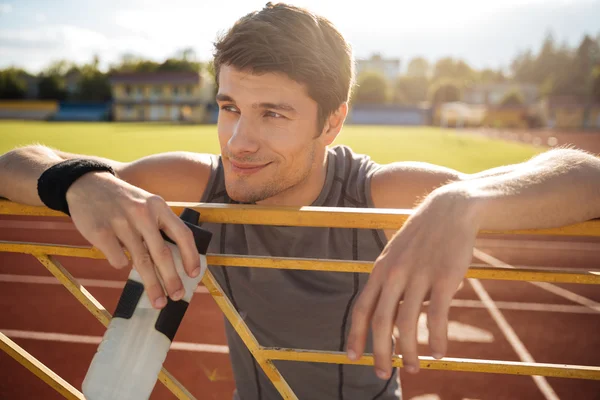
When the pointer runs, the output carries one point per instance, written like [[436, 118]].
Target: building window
[[189, 90], [175, 91], [139, 91], [157, 90], [127, 90]]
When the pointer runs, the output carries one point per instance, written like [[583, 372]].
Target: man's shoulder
[[345, 150], [176, 176], [346, 158], [403, 184]]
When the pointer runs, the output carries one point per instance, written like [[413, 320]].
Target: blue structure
[[73, 111], [380, 114]]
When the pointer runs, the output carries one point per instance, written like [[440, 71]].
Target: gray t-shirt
[[301, 309]]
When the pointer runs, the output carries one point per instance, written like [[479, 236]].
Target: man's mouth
[[246, 168]]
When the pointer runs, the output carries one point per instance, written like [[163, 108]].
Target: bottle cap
[[202, 237]]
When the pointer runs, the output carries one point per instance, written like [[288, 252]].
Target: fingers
[[437, 319], [361, 315], [406, 322], [383, 324], [143, 264], [176, 229], [163, 259], [106, 241]]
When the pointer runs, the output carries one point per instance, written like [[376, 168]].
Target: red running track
[[553, 324]]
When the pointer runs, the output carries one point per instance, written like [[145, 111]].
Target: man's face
[[268, 134]]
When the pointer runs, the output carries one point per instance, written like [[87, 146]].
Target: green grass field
[[125, 142]]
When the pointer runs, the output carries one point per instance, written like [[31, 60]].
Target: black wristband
[[54, 182]]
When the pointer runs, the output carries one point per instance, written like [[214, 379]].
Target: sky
[[34, 33]]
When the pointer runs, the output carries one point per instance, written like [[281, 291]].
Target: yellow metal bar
[[51, 249], [38, 369], [71, 284], [98, 310], [333, 217], [447, 364], [493, 273], [310, 264], [246, 335]]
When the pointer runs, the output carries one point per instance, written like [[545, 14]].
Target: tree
[[418, 67], [585, 59], [184, 61], [596, 85], [444, 91], [449, 68], [371, 89], [52, 87], [132, 63], [173, 64], [58, 68], [93, 86], [544, 64], [187, 54], [12, 87], [513, 98], [523, 67], [488, 75], [411, 89]]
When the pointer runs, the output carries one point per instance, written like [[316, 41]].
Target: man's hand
[[112, 215], [430, 255]]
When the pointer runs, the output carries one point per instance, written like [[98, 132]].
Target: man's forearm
[[21, 168], [554, 189]]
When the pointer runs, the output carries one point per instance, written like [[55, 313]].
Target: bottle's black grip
[[202, 237], [131, 295], [170, 317]]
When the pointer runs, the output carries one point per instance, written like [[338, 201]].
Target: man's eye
[[229, 108], [272, 114]]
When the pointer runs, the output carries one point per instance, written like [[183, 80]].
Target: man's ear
[[334, 123]]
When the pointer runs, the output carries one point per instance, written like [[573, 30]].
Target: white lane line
[[457, 303], [517, 306], [50, 280], [85, 339], [512, 337], [549, 287]]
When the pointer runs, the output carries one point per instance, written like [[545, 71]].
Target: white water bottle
[[135, 344]]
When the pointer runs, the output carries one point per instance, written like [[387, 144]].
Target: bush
[[371, 89], [513, 98], [11, 86], [411, 90], [444, 91], [52, 87]]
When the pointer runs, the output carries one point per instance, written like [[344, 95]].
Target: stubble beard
[[277, 185]]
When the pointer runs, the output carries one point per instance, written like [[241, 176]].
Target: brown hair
[[294, 41]]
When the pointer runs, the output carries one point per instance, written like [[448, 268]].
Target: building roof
[[171, 77]]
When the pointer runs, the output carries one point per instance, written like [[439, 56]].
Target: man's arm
[[126, 211], [432, 252], [175, 176], [556, 188]]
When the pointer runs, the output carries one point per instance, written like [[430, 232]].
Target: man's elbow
[[567, 156]]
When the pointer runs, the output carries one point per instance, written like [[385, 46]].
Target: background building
[[162, 96], [388, 67]]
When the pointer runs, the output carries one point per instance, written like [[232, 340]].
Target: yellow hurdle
[[294, 216]]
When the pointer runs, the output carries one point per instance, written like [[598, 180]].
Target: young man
[[284, 77]]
